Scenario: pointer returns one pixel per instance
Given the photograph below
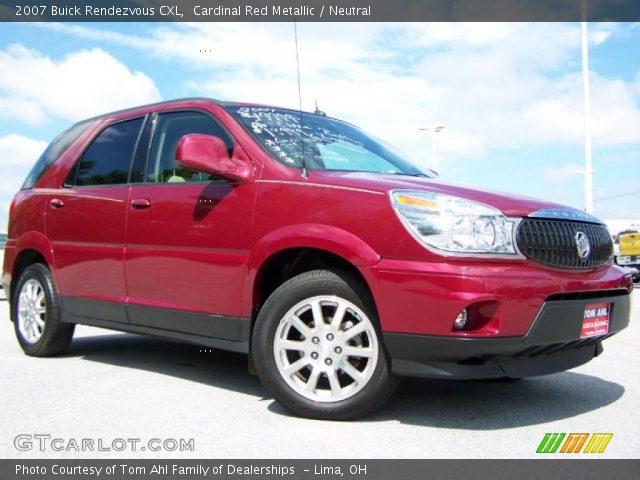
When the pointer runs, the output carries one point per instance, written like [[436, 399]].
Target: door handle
[[56, 203], [140, 203]]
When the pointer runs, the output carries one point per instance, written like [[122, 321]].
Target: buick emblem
[[583, 246]]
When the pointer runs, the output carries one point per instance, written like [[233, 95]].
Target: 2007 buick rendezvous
[[298, 239]]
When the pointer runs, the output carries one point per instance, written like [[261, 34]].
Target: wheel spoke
[[318, 316], [33, 330], [352, 371], [296, 366], [338, 316], [291, 345], [364, 352], [334, 383], [41, 310], [312, 383], [39, 298], [355, 330], [299, 325], [39, 322]]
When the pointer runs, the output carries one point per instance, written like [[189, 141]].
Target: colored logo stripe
[[550, 443], [598, 442], [574, 443]]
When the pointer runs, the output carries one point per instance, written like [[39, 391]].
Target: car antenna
[[317, 111], [303, 163]]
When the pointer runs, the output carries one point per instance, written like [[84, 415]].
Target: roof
[[221, 103]]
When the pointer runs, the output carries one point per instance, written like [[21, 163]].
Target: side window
[[139, 163], [108, 158], [56, 148], [163, 167]]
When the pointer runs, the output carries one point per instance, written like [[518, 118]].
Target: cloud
[[559, 117], [496, 86], [34, 87], [18, 154], [563, 172], [18, 151]]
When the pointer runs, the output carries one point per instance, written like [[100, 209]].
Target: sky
[[509, 95]]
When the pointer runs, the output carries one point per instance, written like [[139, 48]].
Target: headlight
[[624, 260], [454, 225]]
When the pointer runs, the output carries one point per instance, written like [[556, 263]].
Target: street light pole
[[588, 163]]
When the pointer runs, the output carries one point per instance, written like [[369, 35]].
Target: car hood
[[510, 204]]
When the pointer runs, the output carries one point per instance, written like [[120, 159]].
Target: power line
[[618, 196]]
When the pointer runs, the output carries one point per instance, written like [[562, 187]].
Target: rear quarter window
[[56, 148]]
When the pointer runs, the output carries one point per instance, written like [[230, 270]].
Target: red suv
[[321, 252]]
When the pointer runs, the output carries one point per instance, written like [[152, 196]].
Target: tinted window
[[107, 160], [56, 148], [171, 126]]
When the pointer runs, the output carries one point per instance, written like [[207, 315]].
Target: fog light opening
[[461, 320]]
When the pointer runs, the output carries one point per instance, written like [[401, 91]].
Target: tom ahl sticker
[[596, 320]]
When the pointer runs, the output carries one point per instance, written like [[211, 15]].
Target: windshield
[[326, 144]]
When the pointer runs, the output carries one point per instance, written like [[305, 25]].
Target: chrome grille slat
[[552, 242]]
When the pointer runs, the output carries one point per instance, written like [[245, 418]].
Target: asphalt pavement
[[113, 388]]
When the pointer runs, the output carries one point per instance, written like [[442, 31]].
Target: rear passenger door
[[187, 237], [85, 221]]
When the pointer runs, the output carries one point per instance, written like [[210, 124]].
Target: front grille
[[553, 242]]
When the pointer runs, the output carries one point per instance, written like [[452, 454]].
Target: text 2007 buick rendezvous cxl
[[325, 255]]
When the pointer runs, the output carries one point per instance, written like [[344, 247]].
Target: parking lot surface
[[119, 386]]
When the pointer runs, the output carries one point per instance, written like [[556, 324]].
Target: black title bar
[[122, 469], [319, 10]]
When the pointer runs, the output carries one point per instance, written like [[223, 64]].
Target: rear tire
[[313, 365], [35, 311]]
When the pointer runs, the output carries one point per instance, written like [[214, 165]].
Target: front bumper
[[634, 270], [551, 345]]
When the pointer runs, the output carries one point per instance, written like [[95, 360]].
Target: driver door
[[187, 237]]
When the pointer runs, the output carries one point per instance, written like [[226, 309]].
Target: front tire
[[318, 350], [35, 312]]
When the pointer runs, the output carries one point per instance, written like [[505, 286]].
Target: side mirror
[[209, 154]]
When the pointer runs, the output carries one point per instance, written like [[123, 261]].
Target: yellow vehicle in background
[[627, 251]]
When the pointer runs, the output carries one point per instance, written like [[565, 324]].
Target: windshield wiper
[[424, 175]]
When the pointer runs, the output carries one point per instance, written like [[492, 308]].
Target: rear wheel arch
[[36, 313], [25, 258]]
